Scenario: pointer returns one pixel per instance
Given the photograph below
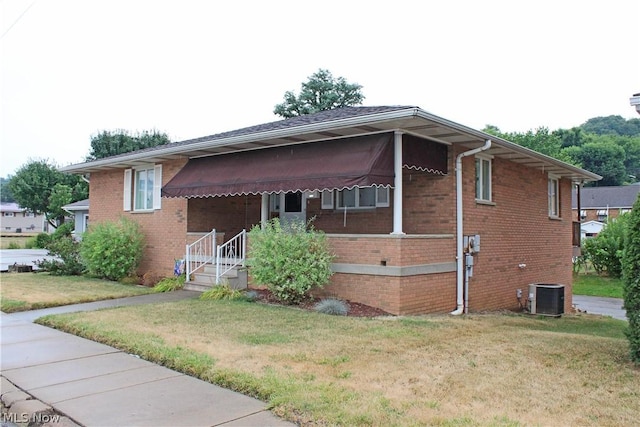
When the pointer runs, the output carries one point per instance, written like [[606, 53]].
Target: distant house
[[423, 214], [591, 229], [604, 203], [80, 212], [14, 219]]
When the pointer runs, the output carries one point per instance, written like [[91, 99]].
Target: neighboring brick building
[[604, 203], [382, 182]]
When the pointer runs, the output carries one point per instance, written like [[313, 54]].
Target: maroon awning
[[336, 164]]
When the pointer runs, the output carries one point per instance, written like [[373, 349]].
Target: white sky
[[72, 68]]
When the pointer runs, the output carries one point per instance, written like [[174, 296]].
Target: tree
[[39, 187], [612, 125], [631, 280], [110, 143], [604, 158], [321, 92], [5, 192]]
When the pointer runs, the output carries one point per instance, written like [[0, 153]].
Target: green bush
[[42, 240], [112, 250], [332, 306], [631, 278], [13, 245], [289, 260], [604, 251], [66, 249], [170, 284], [223, 292]]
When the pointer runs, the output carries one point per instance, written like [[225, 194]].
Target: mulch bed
[[355, 308]]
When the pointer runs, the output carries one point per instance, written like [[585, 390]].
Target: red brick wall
[[164, 229], [226, 214], [515, 230]]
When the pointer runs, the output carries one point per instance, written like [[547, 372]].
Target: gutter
[[459, 228]]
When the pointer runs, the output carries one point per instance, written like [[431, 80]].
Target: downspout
[[459, 229]]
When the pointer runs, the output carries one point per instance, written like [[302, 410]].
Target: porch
[[401, 274]]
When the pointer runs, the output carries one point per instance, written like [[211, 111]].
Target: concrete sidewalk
[[97, 385]]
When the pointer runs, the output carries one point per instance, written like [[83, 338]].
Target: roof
[[606, 197], [11, 207], [80, 205], [338, 123]]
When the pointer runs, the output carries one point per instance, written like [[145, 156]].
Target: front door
[[293, 207]]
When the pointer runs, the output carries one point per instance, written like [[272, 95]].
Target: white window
[[8, 214], [363, 197], [274, 202], [29, 215], [147, 183], [554, 199], [603, 214], [483, 178], [327, 199]]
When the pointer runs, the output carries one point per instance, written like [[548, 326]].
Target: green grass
[[315, 369], [597, 286], [31, 291]]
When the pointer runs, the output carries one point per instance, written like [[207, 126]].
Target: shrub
[[66, 249], [13, 245], [631, 279], [332, 306], [605, 250], [112, 250], [170, 284], [289, 260], [42, 240], [223, 292]]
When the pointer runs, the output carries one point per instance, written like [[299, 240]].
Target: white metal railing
[[231, 254], [199, 253]]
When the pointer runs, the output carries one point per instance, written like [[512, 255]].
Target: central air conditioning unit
[[546, 299]]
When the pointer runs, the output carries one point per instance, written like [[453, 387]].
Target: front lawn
[[494, 370], [598, 286], [29, 291]]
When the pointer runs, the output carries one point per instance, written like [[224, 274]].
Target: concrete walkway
[[601, 305], [97, 385]]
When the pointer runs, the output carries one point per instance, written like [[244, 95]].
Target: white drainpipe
[[459, 229]]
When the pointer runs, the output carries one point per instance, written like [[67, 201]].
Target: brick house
[[397, 190], [604, 203]]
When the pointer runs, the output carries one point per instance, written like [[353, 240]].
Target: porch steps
[[206, 279]]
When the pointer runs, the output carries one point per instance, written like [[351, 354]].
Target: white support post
[[397, 183], [264, 210]]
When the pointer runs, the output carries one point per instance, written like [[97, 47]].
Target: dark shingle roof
[[603, 197], [308, 119]]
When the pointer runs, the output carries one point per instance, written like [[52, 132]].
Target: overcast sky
[[72, 68]]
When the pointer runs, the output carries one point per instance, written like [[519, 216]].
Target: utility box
[[546, 299]]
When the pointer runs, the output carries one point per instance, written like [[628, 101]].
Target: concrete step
[[236, 278]]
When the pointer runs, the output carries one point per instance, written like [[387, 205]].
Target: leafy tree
[[321, 92], [39, 187], [570, 137], [631, 280], [108, 143], [492, 130], [604, 158], [5, 192], [612, 125]]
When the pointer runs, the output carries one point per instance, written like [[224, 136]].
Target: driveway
[[22, 256], [601, 305]]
